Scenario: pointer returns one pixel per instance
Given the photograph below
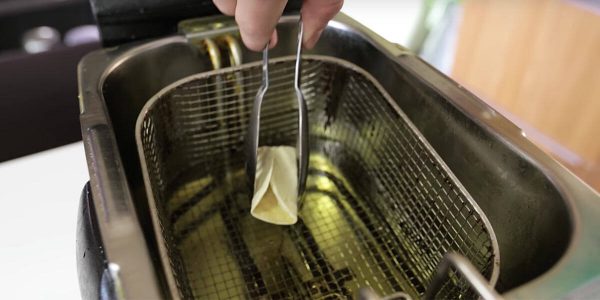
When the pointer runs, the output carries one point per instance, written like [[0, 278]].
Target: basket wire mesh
[[380, 209]]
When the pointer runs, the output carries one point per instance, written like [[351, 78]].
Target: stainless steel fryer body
[[544, 217]]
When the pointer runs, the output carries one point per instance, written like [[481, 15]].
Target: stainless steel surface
[[254, 124], [544, 217], [462, 267], [377, 191], [123, 239], [303, 139]]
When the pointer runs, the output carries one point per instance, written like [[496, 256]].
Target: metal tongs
[[254, 127]]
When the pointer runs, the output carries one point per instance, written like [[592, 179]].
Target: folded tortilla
[[275, 197]]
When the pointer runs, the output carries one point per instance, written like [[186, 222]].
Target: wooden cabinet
[[538, 61]]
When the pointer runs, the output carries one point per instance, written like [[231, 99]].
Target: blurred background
[[537, 62]]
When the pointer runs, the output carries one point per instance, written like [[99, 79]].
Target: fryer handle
[[98, 279], [467, 270], [89, 255], [126, 21]]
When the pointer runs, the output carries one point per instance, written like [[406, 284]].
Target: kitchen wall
[[393, 20]]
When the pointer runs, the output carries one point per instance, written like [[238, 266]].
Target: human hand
[[257, 19]]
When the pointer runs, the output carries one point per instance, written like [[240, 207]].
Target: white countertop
[[39, 194]]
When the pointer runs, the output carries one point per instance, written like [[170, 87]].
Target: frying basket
[[381, 209]]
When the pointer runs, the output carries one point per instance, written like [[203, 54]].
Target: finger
[[227, 7], [257, 20], [315, 16], [273, 40]]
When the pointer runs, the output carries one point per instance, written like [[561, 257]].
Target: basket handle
[[467, 270]]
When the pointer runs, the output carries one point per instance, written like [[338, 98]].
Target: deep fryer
[[542, 216]]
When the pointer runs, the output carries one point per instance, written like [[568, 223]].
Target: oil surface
[[336, 247]]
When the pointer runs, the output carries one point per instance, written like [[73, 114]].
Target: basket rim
[[154, 100]]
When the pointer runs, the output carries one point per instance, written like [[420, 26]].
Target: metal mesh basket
[[380, 210]]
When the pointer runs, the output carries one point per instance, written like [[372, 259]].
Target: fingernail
[[257, 43], [252, 43]]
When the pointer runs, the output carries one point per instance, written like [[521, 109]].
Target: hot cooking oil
[[337, 246]]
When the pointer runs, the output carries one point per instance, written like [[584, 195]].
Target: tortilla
[[275, 197]]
